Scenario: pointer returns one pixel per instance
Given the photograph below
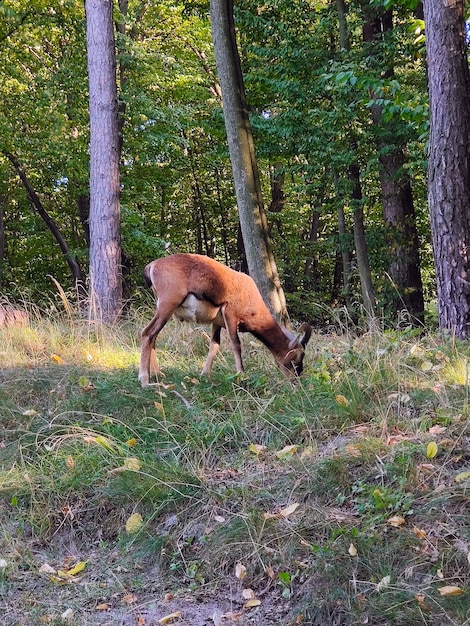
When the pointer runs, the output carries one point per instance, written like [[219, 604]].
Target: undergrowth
[[341, 499]]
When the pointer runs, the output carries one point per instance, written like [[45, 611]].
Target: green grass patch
[[325, 493]]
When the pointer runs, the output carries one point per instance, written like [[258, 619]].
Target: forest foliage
[[308, 97]]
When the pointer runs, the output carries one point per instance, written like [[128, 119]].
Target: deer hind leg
[[148, 358], [232, 328], [213, 349]]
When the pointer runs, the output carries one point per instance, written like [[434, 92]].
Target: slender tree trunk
[[51, 225], [105, 145], [449, 160], [362, 255], [253, 221]]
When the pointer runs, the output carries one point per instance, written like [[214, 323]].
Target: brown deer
[[195, 288]]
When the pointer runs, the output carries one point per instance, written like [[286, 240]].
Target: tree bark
[[253, 221], [449, 160], [105, 145], [397, 194]]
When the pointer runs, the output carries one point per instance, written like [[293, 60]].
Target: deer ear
[[306, 331]]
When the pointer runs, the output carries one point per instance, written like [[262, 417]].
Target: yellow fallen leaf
[[287, 451], [462, 476], [57, 359], [396, 521], [340, 399], [104, 442], [352, 550], [169, 618], [131, 442], [426, 366], [252, 603], [450, 590], [421, 534], [134, 523], [288, 510], [76, 569], [132, 463], [431, 449], [102, 606], [240, 571], [256, 448]]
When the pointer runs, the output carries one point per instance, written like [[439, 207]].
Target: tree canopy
[[330, 100]]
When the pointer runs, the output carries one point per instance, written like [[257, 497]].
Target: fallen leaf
[[384, 583], [131, 442], [426, 366], [67, 615], [132, 463], [240, 571], [248, 594], [421, 534], [57, 359], [169, 618], [396, 521], [140, 620], [340, 399], [134, 523], [252, 603], [288, 510], [352, 550], [102, 606], [29, 413], [47, 569], [256, 448], [462, 476], [287, 451], [76, 569], [450, 590], [431, 449]]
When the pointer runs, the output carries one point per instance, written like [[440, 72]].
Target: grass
[[324, 498]]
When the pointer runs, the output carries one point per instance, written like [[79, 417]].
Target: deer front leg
[[231, 325], [148, 359]]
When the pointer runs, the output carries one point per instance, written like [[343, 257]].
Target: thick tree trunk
[[105, 145], [253, 221], [397, 195], [449, 160]]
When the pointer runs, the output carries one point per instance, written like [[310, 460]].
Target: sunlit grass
[[210, 464]]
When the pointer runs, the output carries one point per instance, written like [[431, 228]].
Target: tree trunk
[[51, 225], [449, 160], [397, 194], [105, 239], [253, 221], [362, 256]]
